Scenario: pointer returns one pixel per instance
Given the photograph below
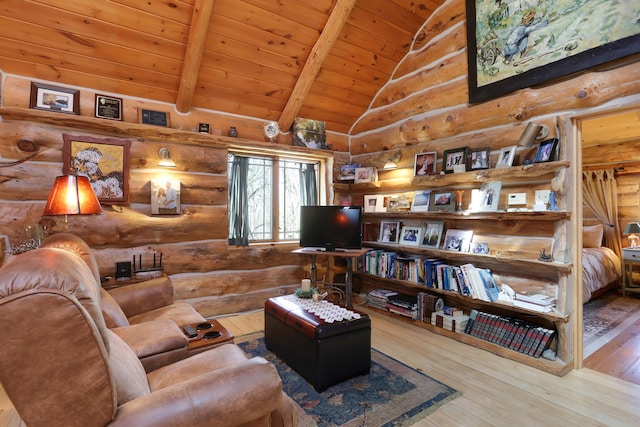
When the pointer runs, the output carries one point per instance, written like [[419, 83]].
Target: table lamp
[[72, 195], [631, 230]]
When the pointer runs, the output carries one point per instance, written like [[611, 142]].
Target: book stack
[[377, 298], [509, 332], [456, 321], [427, 304], [404, 305], [536, 302]]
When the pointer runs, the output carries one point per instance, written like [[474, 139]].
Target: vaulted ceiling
[[269, 59]]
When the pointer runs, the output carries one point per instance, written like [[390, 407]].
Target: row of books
[[509, 332], [403, 305], [433, 273], [453, 320]]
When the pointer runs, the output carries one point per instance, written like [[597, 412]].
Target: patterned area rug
[[605, 314], [392, 394]]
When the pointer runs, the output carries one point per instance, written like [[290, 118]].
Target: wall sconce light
[[392, 162], [632, 229], [72, 195], [165, 158], [532, 132]]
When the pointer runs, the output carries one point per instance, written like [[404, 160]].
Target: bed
[[601, 267]]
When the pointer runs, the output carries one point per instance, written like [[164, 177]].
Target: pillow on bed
[[592, 236]]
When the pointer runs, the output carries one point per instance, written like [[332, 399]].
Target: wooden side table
[[200, 343], [630, 257]]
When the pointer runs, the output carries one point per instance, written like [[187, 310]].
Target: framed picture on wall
[[411, 236], [389, 231], [425, 164], [479, 158], [165, 197], [432, 234], [104, 161], [514, 45], [54, 98]]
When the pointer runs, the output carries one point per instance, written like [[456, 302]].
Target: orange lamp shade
[[72, 195]]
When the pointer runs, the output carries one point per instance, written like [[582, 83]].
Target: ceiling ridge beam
[[202, 10], [318, 54]]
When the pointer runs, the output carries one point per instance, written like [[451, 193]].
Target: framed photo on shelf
[[546, 151], [54, 98], [454, 160], [479, 158], [432, 234], [370, 203], [457, 240], [425, 164], [108, 107], [104, 161], [411, 236], [506, 156], [443, 201], [156, 118], [389, 231], [479, 248], [364, 175], [487, 198], [348, 172], [421, 201]]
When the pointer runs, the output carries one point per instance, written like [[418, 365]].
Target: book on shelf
[[451, 323], [538, 299], [532, 307]]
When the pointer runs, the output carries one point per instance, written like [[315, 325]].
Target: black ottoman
[[322, 353]]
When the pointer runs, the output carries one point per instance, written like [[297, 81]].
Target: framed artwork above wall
[[512, 45]]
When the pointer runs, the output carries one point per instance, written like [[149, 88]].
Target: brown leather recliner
[[61, 366], [144, 314]]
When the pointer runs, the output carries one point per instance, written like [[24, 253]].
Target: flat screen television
[[331, 227]]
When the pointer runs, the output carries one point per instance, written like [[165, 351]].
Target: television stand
[[347, 254]]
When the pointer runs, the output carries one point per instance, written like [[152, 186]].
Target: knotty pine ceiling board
[[254, 51]]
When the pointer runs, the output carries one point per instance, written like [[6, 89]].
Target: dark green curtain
[[308, 184], [238, 202]]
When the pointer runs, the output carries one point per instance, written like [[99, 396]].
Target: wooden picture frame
[[389, 232], [546, 151], [411, 236], [454, 160], [54, 98], [104, 161], [506, 156], [108, 107], [479, 158], [363, 175], [457, 240], [425, 164], [552, 44], [442, 201], [432, 234]]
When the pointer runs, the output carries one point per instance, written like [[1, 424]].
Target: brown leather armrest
[[149, 338], [231, 396], [144, 296]]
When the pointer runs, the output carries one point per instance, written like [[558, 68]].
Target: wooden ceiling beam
[[318, 54], [200, 20]]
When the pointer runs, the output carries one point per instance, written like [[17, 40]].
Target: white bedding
[[600, 266]]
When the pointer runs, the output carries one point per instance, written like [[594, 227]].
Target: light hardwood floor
[[495, 391]]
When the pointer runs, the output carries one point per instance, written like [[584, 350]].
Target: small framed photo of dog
[[457, 240]]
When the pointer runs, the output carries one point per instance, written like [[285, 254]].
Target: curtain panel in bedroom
[[600, 194]]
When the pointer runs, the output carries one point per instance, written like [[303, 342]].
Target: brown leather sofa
[[61, 366], [144, 314]]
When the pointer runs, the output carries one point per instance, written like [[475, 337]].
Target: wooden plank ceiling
[[275, 60]]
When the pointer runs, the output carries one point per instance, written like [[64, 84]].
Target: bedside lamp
[[72, 195], [631, 230]]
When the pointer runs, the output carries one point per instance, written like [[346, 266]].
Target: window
[[265, 195]]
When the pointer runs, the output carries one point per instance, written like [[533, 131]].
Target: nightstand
[[630, 257]]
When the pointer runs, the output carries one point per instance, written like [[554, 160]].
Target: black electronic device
[[204, 325], [331, 227], [190, 331], [123, 270], [211, 335]]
